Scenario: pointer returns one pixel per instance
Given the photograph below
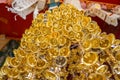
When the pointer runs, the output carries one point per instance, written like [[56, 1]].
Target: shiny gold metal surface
[[64, 44]]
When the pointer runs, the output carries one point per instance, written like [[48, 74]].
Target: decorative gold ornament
[[20, 52], [64, 51], [5, 70], [50, 75], [53, 52], [14, 62], [62, 40], [117, 56], [102, 69], [104, 43], [13, 73], [40, 64], [31, 61], [96, 43], [85, 21], [87, 44], [77, 28], [90, 58], [64, 44], [111, 38], [96, 76]]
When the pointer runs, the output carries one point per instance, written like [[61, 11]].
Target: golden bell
[[104, 43], [37, 31], [80, 18], [27, 68], [68, 24], [49, 23], [16, 53], [85, 21], [23, 44], [77, 28], [48, 12], [13, 73], [82, 77], [31, 61], [68, 27], [40, 64], [97, 32], [39, 39], [116, 48], [55, 10], [55, 29], [62, 6], [91, 27], [64, 33], [24, 35], [85, 31], [58, 28], [88, 36], [46, 39], [50, 75], [64, 51], [95, 43], [34, 48], [79, 36], [53, 42], [71, 35], [102, 69], [14, 62], [4, 70], [81, 66], [46, 30], [21, 53], [62, 40], [55, 34], [21, 68], [90, 58], [76, 23], [117, 42], [53, 52], [25, 76], [40, 16], [87, 44], [64, 12], [44, 45], [27, 31], [103, 34], [117, 55], [28, 39], [111, 38], [7, 62], [96, 76]]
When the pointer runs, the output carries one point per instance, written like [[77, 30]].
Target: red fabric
[[9, 26], [108, 28]]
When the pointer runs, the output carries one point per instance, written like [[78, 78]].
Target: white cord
[[25, 7]]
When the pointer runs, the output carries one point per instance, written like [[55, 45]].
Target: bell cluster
[[64, 44]]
